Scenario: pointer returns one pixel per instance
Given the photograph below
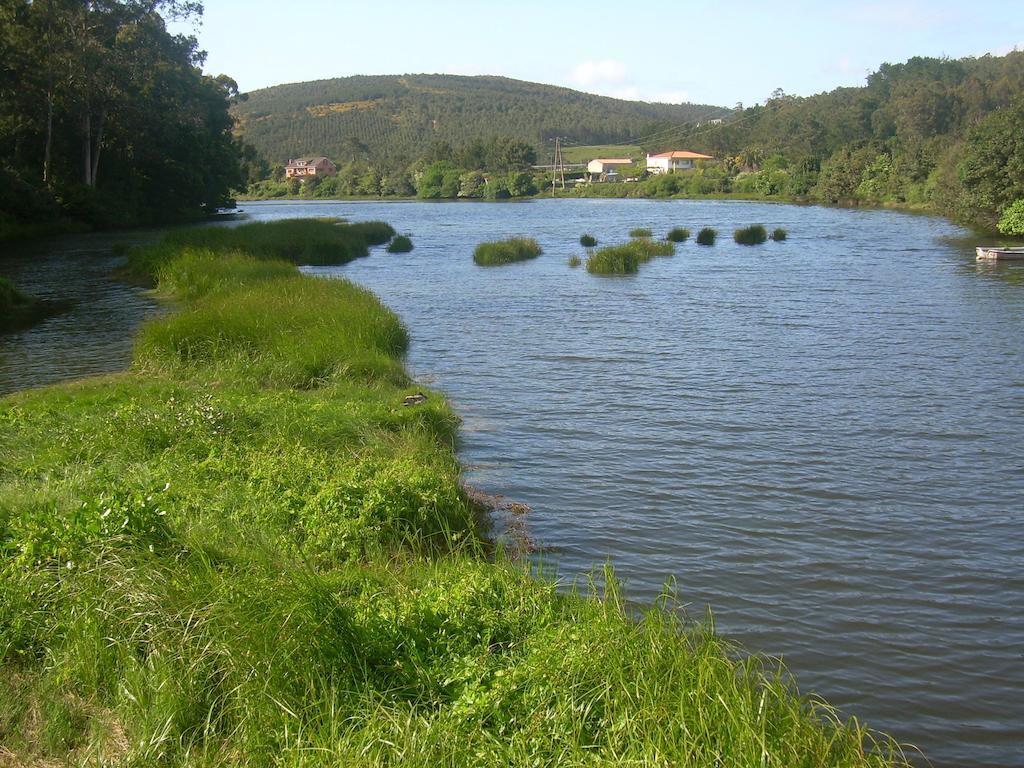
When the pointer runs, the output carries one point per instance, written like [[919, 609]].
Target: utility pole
[[558, 172]]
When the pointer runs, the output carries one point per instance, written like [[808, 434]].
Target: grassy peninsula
[[246, 550]]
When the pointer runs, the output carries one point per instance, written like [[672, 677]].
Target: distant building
[[304, 167], [677, 160], [605, 165]]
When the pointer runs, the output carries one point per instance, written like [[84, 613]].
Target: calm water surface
[[820, 439]]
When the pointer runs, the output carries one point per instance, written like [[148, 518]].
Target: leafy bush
[[707, 236], [752, 235], [588, 241], [400, 244], [779, 234], [506, 251], [1012, 220], [640, 232], [677, 235]]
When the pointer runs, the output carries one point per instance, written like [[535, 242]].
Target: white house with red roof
[[676, 160]]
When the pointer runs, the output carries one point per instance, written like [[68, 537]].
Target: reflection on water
[[821, 439]]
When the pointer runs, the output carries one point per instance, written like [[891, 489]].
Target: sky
[[653, 50]]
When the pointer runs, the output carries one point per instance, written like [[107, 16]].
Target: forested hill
[[946, 134], [396, 118]]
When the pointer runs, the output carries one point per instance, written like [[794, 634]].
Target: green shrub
[[707, 236], [400, 244], [588, 241], [575, 261], [640, 232], [677, 235], [752, 235], [506, 251], [779, 234], [1012, 220]]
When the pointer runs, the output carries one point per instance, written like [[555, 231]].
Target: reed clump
[[779, 234], [506, 251], [400, 244], [752, 235], [575, 261], [247, 551], [707, 236], [588, 241], [626, 259], [678, 235], [640, 232]]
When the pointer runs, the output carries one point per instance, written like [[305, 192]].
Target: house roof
[[682, 154], [613, 160], [306, 160]]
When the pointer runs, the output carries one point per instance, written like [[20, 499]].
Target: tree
[[991, 170]]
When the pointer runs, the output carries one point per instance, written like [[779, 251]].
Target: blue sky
[[655, 50]]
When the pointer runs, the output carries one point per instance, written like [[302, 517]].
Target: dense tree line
[[394, 119], [106, 117], [940, 133]]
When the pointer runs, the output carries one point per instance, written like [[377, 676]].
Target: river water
[[819, 439]]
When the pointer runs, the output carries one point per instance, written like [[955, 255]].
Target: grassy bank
[[246, 550]]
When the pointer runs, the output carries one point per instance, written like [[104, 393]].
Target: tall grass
[[779, 234], [400, 244], [707, 236], [752, 235], [640, 232], [506, 251], [19, 310], [626, 259], [678, 235], [575, 261], [247, 551]]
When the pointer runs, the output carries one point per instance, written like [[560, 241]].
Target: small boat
[[999, 254]]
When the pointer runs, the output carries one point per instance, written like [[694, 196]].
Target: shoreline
[[410, 604]]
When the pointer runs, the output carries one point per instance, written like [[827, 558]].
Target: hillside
[[397, 118]]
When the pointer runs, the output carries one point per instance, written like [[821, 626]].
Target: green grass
[[246, 550], [626, 259], [585, 154], [678, 235], [400, 244], [707, 236], [588, 241], [640, 232], [752, 235], [779, 234], [506, 251], [575, 261]]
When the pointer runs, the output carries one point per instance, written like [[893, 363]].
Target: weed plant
[[640, 232], [779, 234], [506, 251], [588, 241], [678, 235], [247, 551], [752, 235], [400, 244], [707, 236], [575, 261]]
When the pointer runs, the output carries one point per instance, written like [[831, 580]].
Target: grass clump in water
[[575, 261], [588, 241], [626, 259], [506, 251], [752, 235], [247, 551], [19, 310], [640, 232], [779, 234], [707, 236], [678, 235], [400, 244]]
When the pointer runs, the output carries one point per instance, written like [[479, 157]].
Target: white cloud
[[603, 71]]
